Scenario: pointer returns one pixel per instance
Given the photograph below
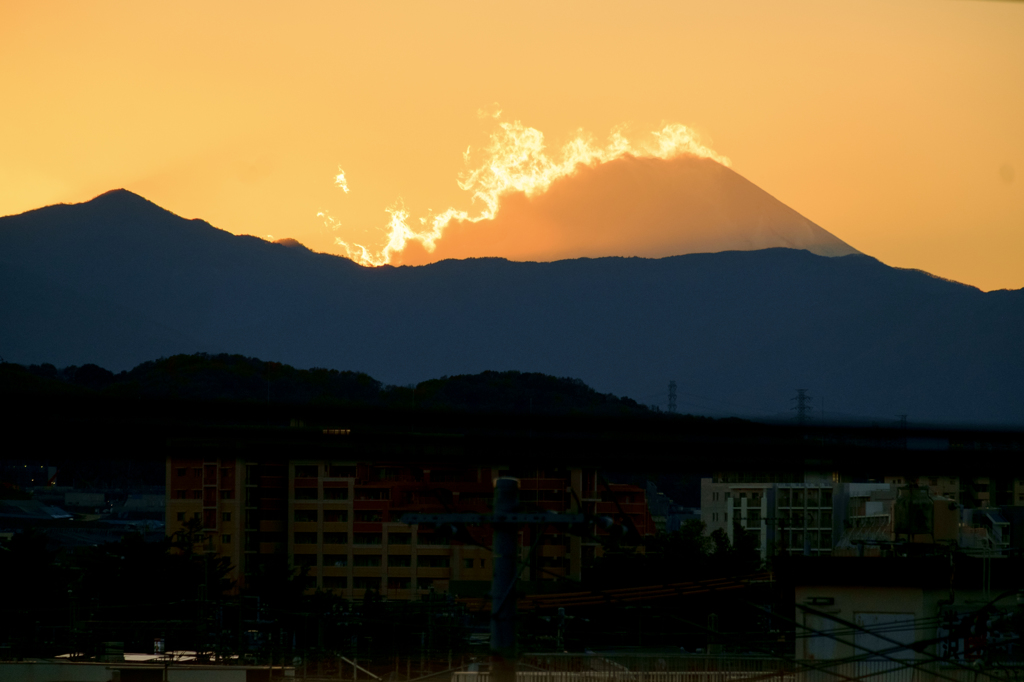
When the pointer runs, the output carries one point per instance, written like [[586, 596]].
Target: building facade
[[340, 521]]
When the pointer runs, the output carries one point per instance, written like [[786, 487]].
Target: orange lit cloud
[[634, 206], [670, 196], [516, 164]]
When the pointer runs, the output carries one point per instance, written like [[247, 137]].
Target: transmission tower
[[803, 405], [672, 397]]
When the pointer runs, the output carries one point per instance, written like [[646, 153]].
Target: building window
[[305, 538], [227, 494], [433, 561], [399, 583], [336, 539], [372, 493], [181, 494], [335, 515], [305, 493], [432, 539], [225, 516], [181, 516], [307, 471], [399, 538], [366, 560], [368, 538], [341, 471], [197, 515], [405, 561], [369, 516], [483, 563], [198, 472], [336, 560], [389, 474], [334, 582], [468, 563], [305, 516], [305, 560], [225, 539], [197, 494], [363, 583], [335, 493]]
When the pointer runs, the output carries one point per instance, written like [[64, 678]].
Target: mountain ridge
[[738, 331]]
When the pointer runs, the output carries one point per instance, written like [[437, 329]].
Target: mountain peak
[[634, 206], [117, 194], [123, 199], [290, 243]]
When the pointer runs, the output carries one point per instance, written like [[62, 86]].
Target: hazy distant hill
[[118, 281], [635, 207]]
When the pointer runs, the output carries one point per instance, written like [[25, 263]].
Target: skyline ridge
[[117, 282]]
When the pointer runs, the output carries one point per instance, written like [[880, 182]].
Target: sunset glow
[[516, 160], [893, 126]]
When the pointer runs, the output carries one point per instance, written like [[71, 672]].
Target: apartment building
[[340, 521], [783, 516], [821, 517]]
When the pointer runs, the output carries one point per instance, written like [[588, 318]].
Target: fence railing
[[711, 668]]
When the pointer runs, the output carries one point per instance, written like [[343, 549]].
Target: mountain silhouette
[[117, 281], [635, 206]]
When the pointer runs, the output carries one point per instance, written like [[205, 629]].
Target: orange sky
[[896, 126]]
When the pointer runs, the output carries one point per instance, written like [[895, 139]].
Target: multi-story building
[[340, 521], [820, 517], [793, 517]]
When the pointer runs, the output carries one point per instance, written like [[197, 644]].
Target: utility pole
[[505, 521], [672, 396], [803, 406], [503, 585]]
